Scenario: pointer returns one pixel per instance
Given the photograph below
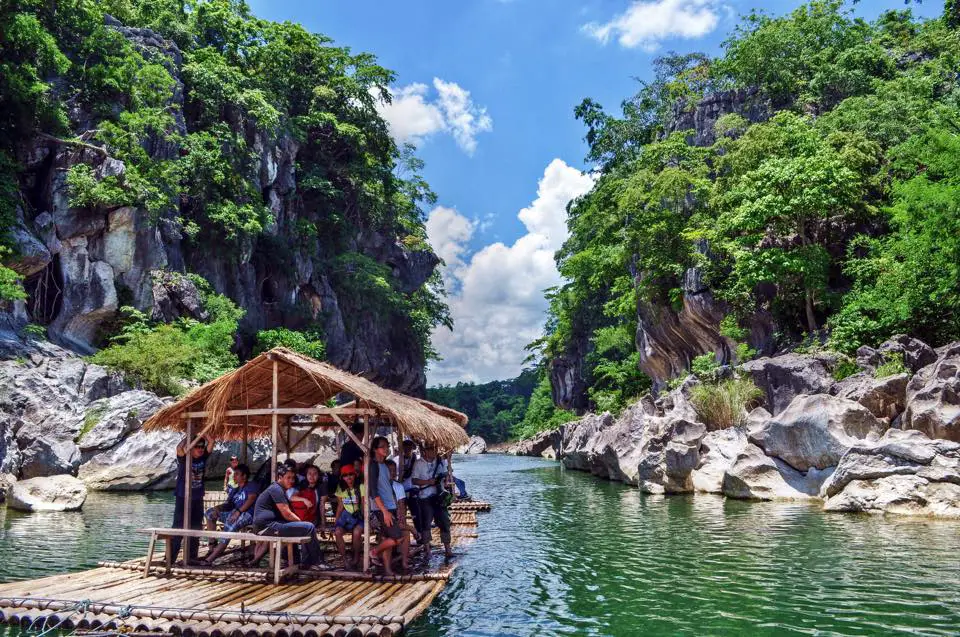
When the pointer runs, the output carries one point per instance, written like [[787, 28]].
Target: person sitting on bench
[[349, 516], [236, 512], [272, 515]]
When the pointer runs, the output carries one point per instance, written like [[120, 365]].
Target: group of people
[[295, 503]]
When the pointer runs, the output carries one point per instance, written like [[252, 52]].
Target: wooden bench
[[275, 544]]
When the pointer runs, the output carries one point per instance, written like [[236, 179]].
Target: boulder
[[915, 353], [884, 397], [53, 493], [933, 399], [669, 452], [815, 431], [175, 296], [578, 440], [46, 455], [10, 458], [756, 476], [783, 378], [905, 472], [142, 461], [615, 451], [546, 444], [718, 451], [108, 420], [476, 445]]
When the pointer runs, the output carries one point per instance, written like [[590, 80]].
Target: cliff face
[[81, 264]]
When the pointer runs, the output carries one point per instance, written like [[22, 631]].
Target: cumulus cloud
[[646, 23], [498, 306], [448, 233], [414, 115]]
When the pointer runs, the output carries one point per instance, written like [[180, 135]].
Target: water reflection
[[565, 553]]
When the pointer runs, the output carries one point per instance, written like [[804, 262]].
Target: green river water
[[565, 553]]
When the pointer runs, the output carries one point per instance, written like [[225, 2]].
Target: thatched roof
[[304, 383]]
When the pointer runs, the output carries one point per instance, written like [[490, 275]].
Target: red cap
[[347, 470]]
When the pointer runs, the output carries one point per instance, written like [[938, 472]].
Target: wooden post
[[187, 484], [286, 438], [246, 443], [273, 434], [366, 495]]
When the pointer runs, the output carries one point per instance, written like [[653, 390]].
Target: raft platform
[[220, 601]]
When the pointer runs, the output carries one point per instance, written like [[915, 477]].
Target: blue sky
[[486, 88]]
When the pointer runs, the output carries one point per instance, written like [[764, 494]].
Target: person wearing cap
[[430, 473], [228, 480], [198, 464], [349, 518]]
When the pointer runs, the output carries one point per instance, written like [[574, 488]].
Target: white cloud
[[646, 23], [499, 306], [413, 117], [448, 232]]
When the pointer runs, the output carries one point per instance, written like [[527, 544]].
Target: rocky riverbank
[[60, 415], [864, 443]]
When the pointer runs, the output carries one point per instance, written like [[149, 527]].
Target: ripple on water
[[564, 553]]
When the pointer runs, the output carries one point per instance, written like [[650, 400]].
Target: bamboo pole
[[366, 493], [273, 432], [187, 480]]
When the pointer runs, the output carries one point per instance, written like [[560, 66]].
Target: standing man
[[430, 473], [229, 481], [383, 506], [198, 463], [272, 515]]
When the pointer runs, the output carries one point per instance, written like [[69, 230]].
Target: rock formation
[[81, 264], [54, 493], [476, 445], [815, 439]]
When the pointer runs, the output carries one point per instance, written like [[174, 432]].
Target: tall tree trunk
[[811, 318]]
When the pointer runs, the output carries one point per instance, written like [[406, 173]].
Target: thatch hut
[[281, 391]]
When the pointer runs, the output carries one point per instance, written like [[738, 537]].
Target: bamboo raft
[[221, 601]]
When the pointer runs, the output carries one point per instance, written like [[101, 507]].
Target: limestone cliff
[[81, 264]]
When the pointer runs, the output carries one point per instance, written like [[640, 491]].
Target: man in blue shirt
[[383, 506], [236, 512], [198, 463]]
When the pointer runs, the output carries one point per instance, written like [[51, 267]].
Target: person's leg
[[357, 543], [443, 521], [341, 546], [426, 521], [414, 505], [311, 549], [405, 549], [175, 542], [196, 523]]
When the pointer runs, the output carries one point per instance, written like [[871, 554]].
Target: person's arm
[[287, 514], [420, 482], [340, 508], [375, 494], [182, 448]]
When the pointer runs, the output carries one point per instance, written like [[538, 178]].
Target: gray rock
[[718, 451], [142, 461], [578, 444], [884, 397], [933, 399], [107, 421], [32, 255], [175, 296], [54, 493], [783, 378], [905, 472], [756, 476], [669, 453], [10, 457], [476, 445], [546, 444], [915, 353], [44, 456], [815, 431]]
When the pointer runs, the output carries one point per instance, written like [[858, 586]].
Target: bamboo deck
[[221, 601]]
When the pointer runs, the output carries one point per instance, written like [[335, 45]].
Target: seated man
[[235, 513], [273, 516]]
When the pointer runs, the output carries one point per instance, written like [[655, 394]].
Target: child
[[349, 515]]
